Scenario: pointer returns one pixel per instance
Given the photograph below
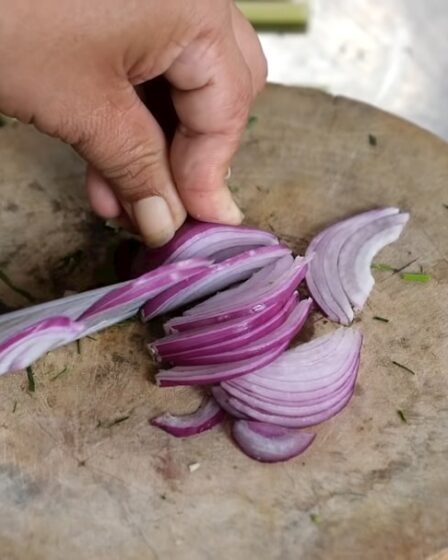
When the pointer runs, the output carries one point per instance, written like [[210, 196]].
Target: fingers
[[127, 148], [212, 95]]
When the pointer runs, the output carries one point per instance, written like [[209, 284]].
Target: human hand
[[71, 69]]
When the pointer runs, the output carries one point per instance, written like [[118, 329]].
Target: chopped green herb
[[251, 121], [233, 188], [78, 346], [315, 518], [383, 267], [6, 280], [409, 370], [91, 337], [110, 423], [420, 277], [30, 376], [382, 319], [373, 140], [14, 407], [59, 374], [402, 416]]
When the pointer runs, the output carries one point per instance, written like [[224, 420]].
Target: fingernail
[[154, 220], [229, 212]]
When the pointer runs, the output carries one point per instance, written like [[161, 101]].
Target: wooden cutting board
[[82, 473]]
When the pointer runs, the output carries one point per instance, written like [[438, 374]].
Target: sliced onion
[[269, 443], [204, 240], [253, 295], [216, 277], [305, 386], [24, 347], [291, 324], [221, 337], [208, 415], [222, 398], [206, 375], [125, 300], [339, 275]]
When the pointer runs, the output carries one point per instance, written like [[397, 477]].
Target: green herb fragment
[[409, 370], [6, 280], [402, 416], [78, 346], [91, 337], [251, 121], [373, 140], [110, 423], [31, 382], [265, 14], [383, 267], [382, 319], [59, 374], [14, 407], [419, 277], [315, 518]]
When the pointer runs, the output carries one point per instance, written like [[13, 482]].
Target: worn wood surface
[[77, 483]]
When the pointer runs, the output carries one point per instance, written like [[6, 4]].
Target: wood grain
[[77, 484]]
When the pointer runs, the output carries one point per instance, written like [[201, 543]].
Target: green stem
[[271, 14]]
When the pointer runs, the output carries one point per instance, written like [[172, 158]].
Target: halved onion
[[269, 443], [203, 240], [214, 278], [208, 415], [339, 275], [25, 346]]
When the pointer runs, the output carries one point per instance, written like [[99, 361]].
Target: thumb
[[128, 149]]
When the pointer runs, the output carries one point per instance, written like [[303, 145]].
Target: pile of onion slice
[[339, 276], [236, 341]]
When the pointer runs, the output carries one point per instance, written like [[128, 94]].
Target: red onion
[[254, 295], [339, 275], [291, 324], [208, 415], [221, 337], [125, 300], [203, 240], [222, 398], [215, 277], [21, 349], [268, 443], [305, 386]]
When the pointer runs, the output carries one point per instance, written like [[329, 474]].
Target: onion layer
[[208, 415], [268, 443], [339, 275]]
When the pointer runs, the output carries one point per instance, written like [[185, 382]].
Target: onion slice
[[305, 386], [269, 443], [265, 288], [194, 239], [208, 415], [251, 357], [289, 324], [21, 349], [221, 337], [124, 301], [212, 279], [339, 275]]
